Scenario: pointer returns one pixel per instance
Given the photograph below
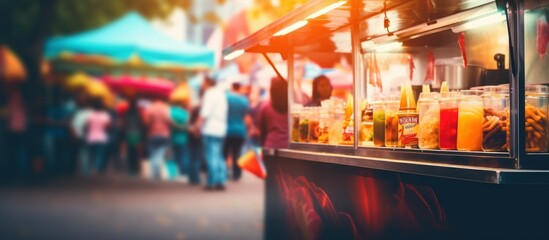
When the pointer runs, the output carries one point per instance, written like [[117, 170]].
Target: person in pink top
[[273, 116], [97, 124], [157, 121]]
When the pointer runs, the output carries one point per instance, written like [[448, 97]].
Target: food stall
[[468, 159]]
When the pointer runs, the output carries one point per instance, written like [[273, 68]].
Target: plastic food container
[[449, 103], [336, 125], [536, 118], [379, 122], [304, 125], [392, 106], [324, 126], [470, 119], [314, 119], [296, 112], [495, 100], [429, 120]]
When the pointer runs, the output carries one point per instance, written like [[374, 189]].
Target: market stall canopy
[[11, 69], [132, 37]]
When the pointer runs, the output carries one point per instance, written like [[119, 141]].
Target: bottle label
[[408, 126], [348, 134]]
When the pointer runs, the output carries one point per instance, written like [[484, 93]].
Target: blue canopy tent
[[132, 36]]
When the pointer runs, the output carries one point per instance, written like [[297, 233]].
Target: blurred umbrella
[[97, 89], [11, 69], [181, 94], [77, 81], [131, 86]]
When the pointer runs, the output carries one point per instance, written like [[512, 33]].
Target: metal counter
[[492, 175]]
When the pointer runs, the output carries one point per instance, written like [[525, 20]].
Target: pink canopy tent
[[132, 86]]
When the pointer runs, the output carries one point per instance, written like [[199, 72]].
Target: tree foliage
[[26, 24]]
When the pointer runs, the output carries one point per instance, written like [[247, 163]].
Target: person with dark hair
[[97, 138], [322, 90], [239, 108], [133, 129], [17, 161], [212, 123], [273, 116]]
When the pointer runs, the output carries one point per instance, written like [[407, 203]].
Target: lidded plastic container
[[391, 106], [336, 125], [495, 103], [314, 133], [304, 125], [296, 112], [429, 120], [448, 103], [470, 119], [379, 121], [324, 121], [366, 127], [536, 108]]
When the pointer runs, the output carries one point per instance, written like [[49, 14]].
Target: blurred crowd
[[162, 138]]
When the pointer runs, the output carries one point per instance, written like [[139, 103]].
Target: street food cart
[[481, 173]]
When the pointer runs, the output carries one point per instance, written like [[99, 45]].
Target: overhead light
[[388, 46], [368, 44], [327, 9], [291, 28], [234, 54], [480, 22], [384, 38], [380, 47]]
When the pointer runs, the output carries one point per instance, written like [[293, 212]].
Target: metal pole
[[290, 77], [358, 72], [516, 30]]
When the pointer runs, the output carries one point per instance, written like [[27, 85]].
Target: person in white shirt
[[212, 124], [78, 125]]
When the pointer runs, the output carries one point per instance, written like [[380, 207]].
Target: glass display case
[[381, 52], [443, 100]]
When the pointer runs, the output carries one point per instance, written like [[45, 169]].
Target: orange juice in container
[[470, 120]]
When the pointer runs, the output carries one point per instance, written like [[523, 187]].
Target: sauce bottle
[[408, 118]]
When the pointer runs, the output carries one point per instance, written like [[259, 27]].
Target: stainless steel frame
[[518, 166]]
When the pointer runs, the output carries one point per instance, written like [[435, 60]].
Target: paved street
[[117, 207]]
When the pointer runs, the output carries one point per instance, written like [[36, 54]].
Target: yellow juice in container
[[470, 119]]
